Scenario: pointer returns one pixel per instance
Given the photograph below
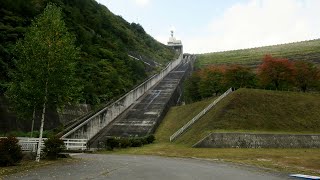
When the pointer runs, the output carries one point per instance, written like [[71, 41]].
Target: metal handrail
[[198, 116]]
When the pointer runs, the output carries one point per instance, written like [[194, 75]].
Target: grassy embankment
[[245, 110], [306, 50]]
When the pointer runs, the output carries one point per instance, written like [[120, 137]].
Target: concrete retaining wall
[[95, 123], [249, 140], [69, 113]]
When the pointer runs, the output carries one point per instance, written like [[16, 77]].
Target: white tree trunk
[[41, 132], [42, 123]]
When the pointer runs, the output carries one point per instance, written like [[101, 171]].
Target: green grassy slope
[[248, 110], [306, 50], [304, 161], [179, 116]]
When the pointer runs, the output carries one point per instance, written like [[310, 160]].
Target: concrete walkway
[[125, 167]]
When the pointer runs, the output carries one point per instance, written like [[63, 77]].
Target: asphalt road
[[96, 166]]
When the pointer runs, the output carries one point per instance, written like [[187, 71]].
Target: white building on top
[[175, 44]]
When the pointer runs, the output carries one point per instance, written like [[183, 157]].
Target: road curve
[[127, 167]]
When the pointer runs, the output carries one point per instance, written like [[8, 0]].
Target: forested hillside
[[104, 69]]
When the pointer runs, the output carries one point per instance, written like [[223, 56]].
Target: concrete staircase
[[137, 113], [144, 116]]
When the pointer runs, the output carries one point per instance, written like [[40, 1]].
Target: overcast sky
[[216, 25]]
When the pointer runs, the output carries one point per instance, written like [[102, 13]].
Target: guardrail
[[194, 119], [31, 144], [75, 144]]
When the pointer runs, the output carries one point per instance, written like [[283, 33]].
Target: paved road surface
[[95, 166]]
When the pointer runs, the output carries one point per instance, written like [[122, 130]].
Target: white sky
[[215, 25]]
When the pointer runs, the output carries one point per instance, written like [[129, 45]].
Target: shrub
[[136, 142], [111, 143], [125, 142], [144, 140], [53, 146], [150, 139], [10, 151]]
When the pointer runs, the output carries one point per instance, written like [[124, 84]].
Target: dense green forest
[[104, 69]]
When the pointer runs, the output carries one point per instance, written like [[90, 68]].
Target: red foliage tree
[[306, 74], [276, 72]]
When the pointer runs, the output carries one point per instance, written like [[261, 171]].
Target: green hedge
[[119, 142]]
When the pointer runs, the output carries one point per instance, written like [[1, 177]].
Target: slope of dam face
[[258, 111], [143, 117]]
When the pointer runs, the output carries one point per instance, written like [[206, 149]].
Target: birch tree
[[45, 65]]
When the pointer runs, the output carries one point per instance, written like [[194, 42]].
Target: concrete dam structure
[[144, 116], [139, 112], [149, 102]]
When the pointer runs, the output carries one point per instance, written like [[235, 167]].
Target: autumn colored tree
[[238, 76], [276, 72], [211, 81], [306, 75]]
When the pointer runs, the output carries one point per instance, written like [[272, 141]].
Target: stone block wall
[[251, 140]]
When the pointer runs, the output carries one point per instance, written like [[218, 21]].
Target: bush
[[111, 143], [53, 146], [125, 142], [144, 140], [10, 151], [150, 139], [136, 142]]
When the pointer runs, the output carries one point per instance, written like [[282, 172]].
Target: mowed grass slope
[[179, 116], [238, 112], [262, 111], [306, 50]]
